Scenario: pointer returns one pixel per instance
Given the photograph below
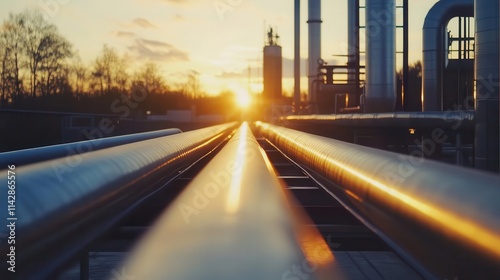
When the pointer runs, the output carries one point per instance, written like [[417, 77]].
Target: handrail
[[233, 221], [58, 216], [33, 155], [442, 219]]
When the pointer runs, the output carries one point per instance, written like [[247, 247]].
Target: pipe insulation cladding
[[314, 23], [380, 56], [487, 49], [434, 48]]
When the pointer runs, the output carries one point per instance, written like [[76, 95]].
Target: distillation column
[[314, 23], [380, 56]]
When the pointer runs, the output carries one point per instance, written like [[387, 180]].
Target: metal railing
[[233, 221], [33, 155], [59, 214], [440, 218]]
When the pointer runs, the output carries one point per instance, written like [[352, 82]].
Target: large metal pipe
[[487, 49], [296, 65], [29, 156], [441, 218], [434, 48], [314, 23], [233, 221], [61, 207], [380, 56], [451, 120]]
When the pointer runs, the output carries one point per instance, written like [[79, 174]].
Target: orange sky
[[220, 39]]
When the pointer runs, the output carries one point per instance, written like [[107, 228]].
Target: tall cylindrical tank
[[272, 73], [314, 23], [296, 63], [487, 84], [380, 56], [352, 34], [353, 47]]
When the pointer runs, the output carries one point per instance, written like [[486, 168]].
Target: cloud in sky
[[181, 2], [179, 17], [288, 70], [157, 51], [231, 75], [144, 23], [125, 34]]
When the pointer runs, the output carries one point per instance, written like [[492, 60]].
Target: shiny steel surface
[[29, 156], [314, 23], [380, 56], [459, 120], [434, 48], [296, 57], [440, 217], [233, 221], [59, 213], [487, 50]]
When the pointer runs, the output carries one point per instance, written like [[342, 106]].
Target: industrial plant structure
[[459, 75], [402, 186]]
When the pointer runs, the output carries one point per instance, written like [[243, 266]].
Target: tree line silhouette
[[41, 70]]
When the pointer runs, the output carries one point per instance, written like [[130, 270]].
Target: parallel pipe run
[[441, 218], [233, 221], [29, 156], [451, 120], [434, 48], [63, 206]]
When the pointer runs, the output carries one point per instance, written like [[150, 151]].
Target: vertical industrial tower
[[272, 68]]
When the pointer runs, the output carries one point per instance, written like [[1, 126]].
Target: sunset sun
[[243, 98]]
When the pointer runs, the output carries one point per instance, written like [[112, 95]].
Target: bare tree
[[34, 38], [78, 74], [12, 57], [31, 45], [193, 83], [54, 50], [149, 76], [110, 70]]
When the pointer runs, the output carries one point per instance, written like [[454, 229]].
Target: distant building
[[273, 69]]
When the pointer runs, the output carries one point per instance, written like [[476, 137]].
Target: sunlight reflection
[[315, 248], [432, 214], [233, 201], [444, 219]]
